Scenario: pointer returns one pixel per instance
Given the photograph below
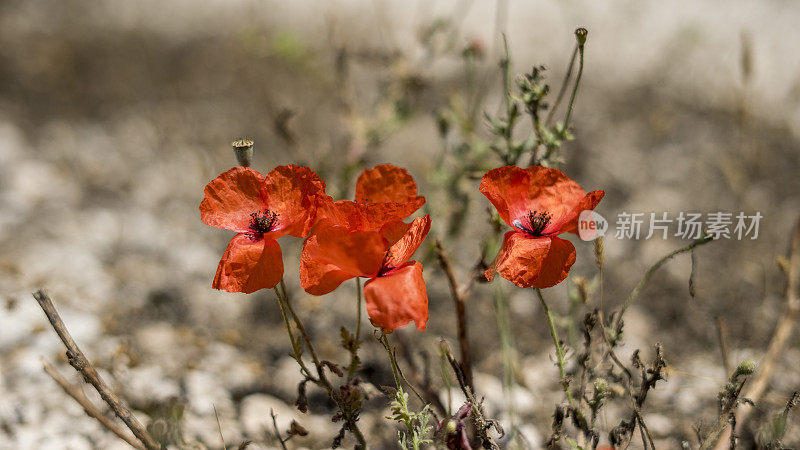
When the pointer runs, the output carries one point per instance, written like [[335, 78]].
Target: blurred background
[[114, 115]]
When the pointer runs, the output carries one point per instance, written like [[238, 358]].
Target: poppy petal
[[532, 262], [388, 184], [294, 193], [398, 298], [231, 198], [589, 202], [249, 263], [519, 259], [515, 192], [394, 231], [362, 216], [408, 243], [332, 255], [556, 264]]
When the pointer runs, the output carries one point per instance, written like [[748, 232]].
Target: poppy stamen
[[263, 221], [537, 222]]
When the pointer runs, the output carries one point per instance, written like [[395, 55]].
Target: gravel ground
[[113, 116]]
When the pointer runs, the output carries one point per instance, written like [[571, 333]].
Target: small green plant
[[417, 424]]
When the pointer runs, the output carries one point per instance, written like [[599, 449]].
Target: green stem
[[563, 89], [575, 88], [351, 369], [560, 356], [302, 329], [392, 360], [322, 379], [401, 396], [358, 313], [295, 344]]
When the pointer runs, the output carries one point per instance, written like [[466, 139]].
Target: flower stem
[[575, 88], [395, 372], [302, 329], [563, 88], [322, 379], [358, 312], [559, 349], [354, 362], [402, 414], [295, 344]]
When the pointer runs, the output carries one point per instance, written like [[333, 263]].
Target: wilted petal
[[397, 298], [249, 263]]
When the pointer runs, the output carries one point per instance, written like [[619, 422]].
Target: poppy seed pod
[[243, 149], [580, 35]]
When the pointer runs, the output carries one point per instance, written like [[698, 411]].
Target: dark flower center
[[263, 221], [535, 222], [385, 267]]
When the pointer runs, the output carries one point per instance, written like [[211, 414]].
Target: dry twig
[[79, 361], [77, 394], [460, 299]]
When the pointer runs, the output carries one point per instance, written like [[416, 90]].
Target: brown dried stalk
[[79, 361], [275, 427], [77, 394], [460, 299], [783, 331], [482, 424]]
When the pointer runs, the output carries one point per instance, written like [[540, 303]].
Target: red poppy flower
[[383, 194], [395, 293], [260, 209], [539, 203]]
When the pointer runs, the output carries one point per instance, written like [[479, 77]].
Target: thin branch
[[647, 275], [275, 427], [459, 298], [482, 424], [79, 361], [78, 395], [722, 334], [219, 428]]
